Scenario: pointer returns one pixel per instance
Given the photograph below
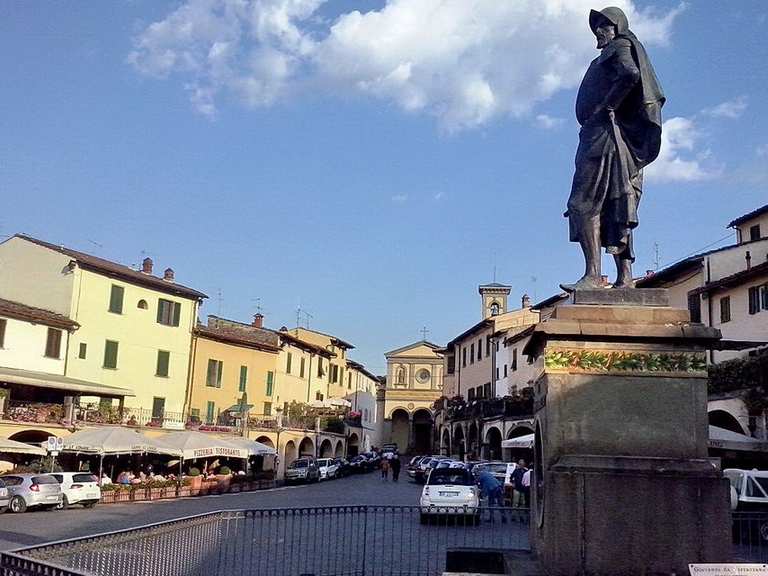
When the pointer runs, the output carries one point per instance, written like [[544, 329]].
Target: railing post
[[365, 538]]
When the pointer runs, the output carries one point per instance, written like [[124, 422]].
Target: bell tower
[[494, 298]]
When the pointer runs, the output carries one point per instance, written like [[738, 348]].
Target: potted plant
[[109, 493], [195, 481], [223, 479], [138, 492], [185, 489]]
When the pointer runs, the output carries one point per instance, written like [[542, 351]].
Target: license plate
[[51, 497], [449, 493]]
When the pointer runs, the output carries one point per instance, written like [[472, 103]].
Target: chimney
[[748, 258], [649, 273], [526, 301], [146, 266], [168, 275], [258, 320]]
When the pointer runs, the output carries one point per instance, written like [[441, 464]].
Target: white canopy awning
[[519, 442], [729, 440], [254, 448], [115, 440], [12, 447], [192, 444]]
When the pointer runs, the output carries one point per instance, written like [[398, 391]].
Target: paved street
[[18, 530]]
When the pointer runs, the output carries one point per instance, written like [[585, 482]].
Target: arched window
[[495, 309], [401, 375], [142, 304]]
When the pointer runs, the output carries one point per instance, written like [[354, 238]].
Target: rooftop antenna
[[95, 243], [424, 331], [656, 256], [220, 298], [533, 281], [494, 266]]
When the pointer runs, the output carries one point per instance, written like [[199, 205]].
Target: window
[[495, 309], [341, 375], [288, 362], [505, 370], [318, 396], [82, 350], [267, 408], [3, 323], [270, 382], [479, 349], [487, 390], [53, 343], [694, 307], [725, 309], [349, 380], [754, 299], [335, 373], [754, 232], [497, 345], [243, 378], [451, 364], [463, 357], [497, 372], [319, 367], [514, 360], [401, 376], [210, 410], [194, 415], [763, 292], [301, 367], [215, 370], [142, 305], [163, 360], [116, 299], [168, 312], [471, 394], [110, 354], [472, 353]]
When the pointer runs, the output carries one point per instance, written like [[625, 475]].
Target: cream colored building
[[302, 370], [405, 403], [229, 360], [725, 288], [135, 328]]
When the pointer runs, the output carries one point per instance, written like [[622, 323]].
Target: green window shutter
[[243, 377], [210, 409], [219, 372], [3, 322], [110, 354], [270, 382], [163, 360], [267, 408], [176, 313], [301, 368], [83, 350], [288, 363], [53, 343], [116, 299], [210, 379], [161, 310]]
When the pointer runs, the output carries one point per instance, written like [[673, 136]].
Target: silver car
[[4, 499], [31, 490]]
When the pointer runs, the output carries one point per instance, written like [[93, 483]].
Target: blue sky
[[371, 167]]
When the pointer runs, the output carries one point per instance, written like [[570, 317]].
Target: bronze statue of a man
[[619, 109]]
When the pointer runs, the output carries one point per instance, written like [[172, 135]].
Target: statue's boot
[[586, 282], [624, 276]]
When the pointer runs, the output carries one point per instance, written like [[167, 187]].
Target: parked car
[[344, 467], [78, 488], [359, 464], [328, 468], [387, 448], [413, 465], [450, 491], [302, 470], [4, 497], [498, 469], [426, 465], [32, 490], [749, 493]]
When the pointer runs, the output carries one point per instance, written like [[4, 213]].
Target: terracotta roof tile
[[20, 311]]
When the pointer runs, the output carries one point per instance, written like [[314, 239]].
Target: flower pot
[[108, 497], [139, 494], [184, 491], [156, 493]]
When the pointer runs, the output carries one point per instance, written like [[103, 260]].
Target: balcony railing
[[509, 407]]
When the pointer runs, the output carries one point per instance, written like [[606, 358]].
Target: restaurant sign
[[219, 451]]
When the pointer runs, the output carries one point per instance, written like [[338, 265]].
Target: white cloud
[[731, 109], [548, 122], [400, 198], [464, 62], [678, 160]]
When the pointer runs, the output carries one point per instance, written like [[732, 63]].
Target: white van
[[78, 488]]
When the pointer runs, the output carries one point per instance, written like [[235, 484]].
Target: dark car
[[358, 464], [344, 467], [413, 466]]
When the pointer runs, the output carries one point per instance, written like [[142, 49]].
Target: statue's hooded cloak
[[608, 180]]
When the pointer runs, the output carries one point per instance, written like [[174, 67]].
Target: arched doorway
[[289, 452], [473, 442], [401, 424], [31, 436], [353, 445], [723, 419], [326, 449], [459, 443], [266, 440], [445, 443], [339, 452], [307, 447], [422, 432], [493, 443]]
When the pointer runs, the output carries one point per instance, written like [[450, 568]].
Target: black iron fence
[[338, 541], [750, 537]]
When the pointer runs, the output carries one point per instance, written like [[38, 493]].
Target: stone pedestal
[[623, 483]]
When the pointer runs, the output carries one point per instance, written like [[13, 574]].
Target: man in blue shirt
[[492, 490]]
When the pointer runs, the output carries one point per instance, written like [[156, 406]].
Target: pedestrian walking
[[384, 469], [518, 494], [395, 467], [493, 492], [527, 486]]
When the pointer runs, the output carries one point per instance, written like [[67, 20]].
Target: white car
[[329, 468], [450, 491], [78, 488], [5, 498]]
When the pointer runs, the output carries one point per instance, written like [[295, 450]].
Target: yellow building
[[335, 383], [135, 328], [303, 370], [228, 360]]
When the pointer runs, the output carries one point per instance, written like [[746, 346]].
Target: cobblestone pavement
[[17, 530]]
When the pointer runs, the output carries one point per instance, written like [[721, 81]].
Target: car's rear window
[[299, 464], [83, 478], [445, 476], [44, 480], [11, 480]]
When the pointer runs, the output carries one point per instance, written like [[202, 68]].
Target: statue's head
[[607, 24]]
